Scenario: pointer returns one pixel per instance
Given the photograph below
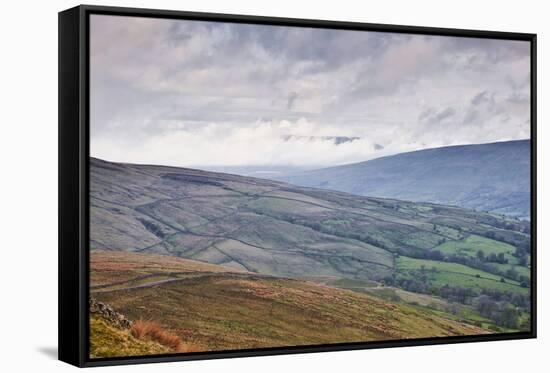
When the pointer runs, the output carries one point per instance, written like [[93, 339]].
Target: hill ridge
[[486, 177]]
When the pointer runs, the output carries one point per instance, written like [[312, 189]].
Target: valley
[[429, 260]]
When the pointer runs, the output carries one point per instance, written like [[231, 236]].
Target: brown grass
[[151, 330], [224, 311]]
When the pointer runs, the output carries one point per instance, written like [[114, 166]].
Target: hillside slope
[[109, 340], [111, 335], [217, 308], [279, 229], [487, 177]]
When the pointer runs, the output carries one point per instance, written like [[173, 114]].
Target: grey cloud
[[493, 50], [290, 100], [197, 81], [471, 116], [479, 98], [444, 114], [425, 114], [518, 98], [431, 116]]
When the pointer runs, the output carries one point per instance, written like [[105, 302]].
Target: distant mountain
[[491, 177]]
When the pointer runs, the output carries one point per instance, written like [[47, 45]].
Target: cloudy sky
[[204, 94]]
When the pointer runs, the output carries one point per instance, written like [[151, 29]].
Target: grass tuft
[[150, 330], [108, 340]]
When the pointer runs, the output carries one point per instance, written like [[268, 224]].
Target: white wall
[[28, 196]]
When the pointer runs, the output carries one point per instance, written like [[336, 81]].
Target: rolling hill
[[218, 308], [415, 253], [491, 177], [271, 227]]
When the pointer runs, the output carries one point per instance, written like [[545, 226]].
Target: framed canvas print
[[238, 186]]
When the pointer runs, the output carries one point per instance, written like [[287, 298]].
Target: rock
[[109, 314]]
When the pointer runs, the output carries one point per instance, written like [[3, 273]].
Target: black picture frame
[[74, 182]]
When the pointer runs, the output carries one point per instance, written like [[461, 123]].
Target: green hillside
[[472, 244], [478, 260], [442, 273]]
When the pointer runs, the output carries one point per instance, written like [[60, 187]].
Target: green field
[[458, 275], [522, 271], [473, 243]]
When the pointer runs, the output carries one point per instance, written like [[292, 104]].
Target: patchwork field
[[279, 229], [472, 244], [442, 273]]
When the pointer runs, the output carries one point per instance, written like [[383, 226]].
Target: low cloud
[[192, 93], [432, 117], [479, 98], [444, 114], [290, 100]]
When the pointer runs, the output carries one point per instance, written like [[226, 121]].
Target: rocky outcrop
[[108, 313]]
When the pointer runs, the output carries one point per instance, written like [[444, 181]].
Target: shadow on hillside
[[50, 352]]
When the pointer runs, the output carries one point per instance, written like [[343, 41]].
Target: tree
[[436, 255], [509, 317], [481, 255], [485, 306], [512, 273], [522, 261], [501, 258]]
